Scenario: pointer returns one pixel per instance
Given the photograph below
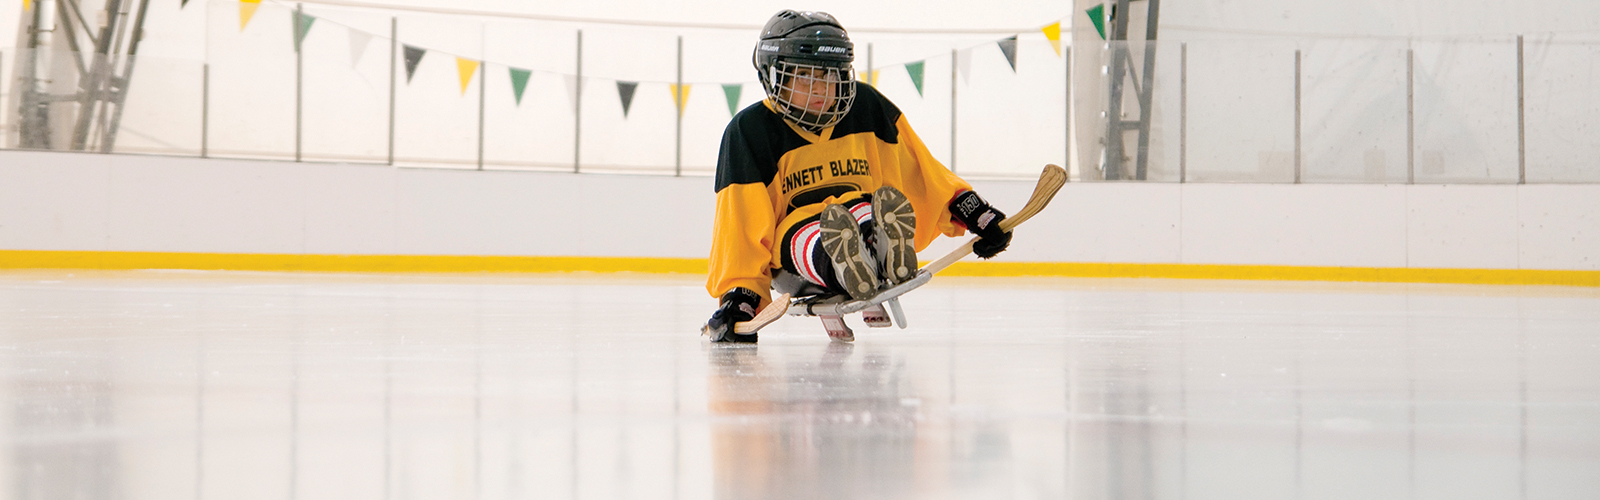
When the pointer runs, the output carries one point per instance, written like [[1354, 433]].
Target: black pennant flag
[[413, 58], [625, 90], [1008, 46]]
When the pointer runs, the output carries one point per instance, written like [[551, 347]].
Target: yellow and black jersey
[[772, 173]]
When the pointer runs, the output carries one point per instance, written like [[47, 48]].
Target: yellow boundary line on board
[[29, 259]]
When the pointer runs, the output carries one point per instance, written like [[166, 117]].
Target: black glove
[[738, 305], [983, 220]]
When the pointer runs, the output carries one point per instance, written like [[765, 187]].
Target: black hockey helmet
[[798, 52]]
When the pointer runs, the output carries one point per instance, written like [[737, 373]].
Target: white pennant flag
[[572, 89], [964, 63], [358, 45]]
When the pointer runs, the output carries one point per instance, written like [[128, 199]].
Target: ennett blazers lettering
[[771, 173]]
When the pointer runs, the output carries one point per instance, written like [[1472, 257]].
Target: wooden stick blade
[[1050, 181]]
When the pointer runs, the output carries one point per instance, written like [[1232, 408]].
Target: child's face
[[814, 89]]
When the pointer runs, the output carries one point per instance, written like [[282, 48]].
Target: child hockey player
[[823, 187]]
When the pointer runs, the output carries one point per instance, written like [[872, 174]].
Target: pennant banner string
[[625, 91], [519, 82], [358, 45], [1008, 46], [915, 71], [732, 91], [247, 10], [413, 58], [1053, 34], [466, 68], [360, 39], [302, 27], [680, 95]]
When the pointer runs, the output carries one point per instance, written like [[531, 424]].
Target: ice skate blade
[[839, 305]]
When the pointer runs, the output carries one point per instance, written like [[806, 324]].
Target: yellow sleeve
[[929, 185], [742, 239]]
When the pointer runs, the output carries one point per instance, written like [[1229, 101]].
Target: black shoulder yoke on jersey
[[758, 137]]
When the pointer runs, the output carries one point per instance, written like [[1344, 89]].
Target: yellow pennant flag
[[1053, 32], [247, 9], [27, 5], [467, 67], [680, 95]]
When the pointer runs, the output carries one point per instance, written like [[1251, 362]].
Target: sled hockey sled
[[832, 307]]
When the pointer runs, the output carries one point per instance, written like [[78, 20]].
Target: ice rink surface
[[232, 385]]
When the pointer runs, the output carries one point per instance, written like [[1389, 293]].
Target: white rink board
[[65, 201]]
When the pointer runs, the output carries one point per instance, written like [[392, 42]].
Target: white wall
[[66, 201]]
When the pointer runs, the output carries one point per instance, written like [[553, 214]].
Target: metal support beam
[[34, 74], [110, 138], [103, 69], [1121, 72]]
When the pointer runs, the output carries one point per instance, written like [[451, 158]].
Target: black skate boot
[[852, 264], [896, 226]]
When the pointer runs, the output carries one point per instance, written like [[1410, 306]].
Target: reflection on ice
[[258, 385]]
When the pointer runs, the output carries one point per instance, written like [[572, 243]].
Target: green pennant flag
[[732, 91], [625, 90], [1097, 15], [1008, 46], [519, 81], [301, 27], [915, 70], [413, 58]]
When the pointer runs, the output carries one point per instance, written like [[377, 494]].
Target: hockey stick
[[1050, 181]]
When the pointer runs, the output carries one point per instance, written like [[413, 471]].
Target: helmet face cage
[[813, 95]]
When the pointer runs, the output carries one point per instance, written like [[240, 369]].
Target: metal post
[[677, 100], [205, 110], [869, 78], [1411, 118], [1147, 89], [33, 107], [2, 92], [1183, 113], [93, 87], [1297, 116], [954, 65], [299, 62], [1522, 138], [394, 45], [577, 108], [483, 84], [109, 130]]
